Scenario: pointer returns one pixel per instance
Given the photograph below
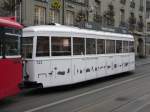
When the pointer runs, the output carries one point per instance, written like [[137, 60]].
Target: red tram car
[[10, 58]]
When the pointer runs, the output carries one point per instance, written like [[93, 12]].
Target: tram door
[[110, 49], [62, 71], [117, 64], [109, 65], [100, 67], [90, 62], [78, 70], [132, 62], [90, 68], [126, 59]]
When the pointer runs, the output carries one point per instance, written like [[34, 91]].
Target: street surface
[[127, 92]]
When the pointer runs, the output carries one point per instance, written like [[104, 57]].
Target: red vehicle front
[[10, 58]]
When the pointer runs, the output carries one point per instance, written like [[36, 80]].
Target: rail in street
[[121, 93]]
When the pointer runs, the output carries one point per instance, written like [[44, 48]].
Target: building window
[[100, 46], [108, 16], [80, 16], [42, 0], [148, 27], [123, 2], [110, 46], [131, 46], [125, 47], [132, 22], [122, 17], [132, 3], [90, 46], [140, 24], [55, 16], [42, 46], [78, 46], [118, 46], [141, 5], [69, 17], [40, 15], [79, 1], [97, 13], [61, 46], [98, 7], [147, 9]]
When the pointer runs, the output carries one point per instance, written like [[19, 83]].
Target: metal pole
[[63, 12], [145, 29], [15, 10], [87, 10], [20, 11]]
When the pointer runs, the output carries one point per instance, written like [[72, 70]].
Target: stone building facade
[[118, 13], [36, 12], [124, 13]]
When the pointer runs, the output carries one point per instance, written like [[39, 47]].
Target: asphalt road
[[127, 92]]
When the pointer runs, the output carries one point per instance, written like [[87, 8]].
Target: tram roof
[[7, 22], [69, 29]]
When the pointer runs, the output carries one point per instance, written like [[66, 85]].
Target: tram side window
[[61, 46], [42, 46], [118, 46], [131, 46], [0, 47], [90, 46], [27, 47], [12, 44], [125, 47], [110, 46], [78, 46], [100, 46]]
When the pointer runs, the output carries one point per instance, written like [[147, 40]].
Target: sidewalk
[[142, 61]]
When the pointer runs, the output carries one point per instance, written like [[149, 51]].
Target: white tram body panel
[[63, 70]]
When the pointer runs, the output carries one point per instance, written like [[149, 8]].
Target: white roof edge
[[62, 28]]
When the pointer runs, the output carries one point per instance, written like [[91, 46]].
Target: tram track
[[119, 96], [52, 98], [91, 92], [140, 98]]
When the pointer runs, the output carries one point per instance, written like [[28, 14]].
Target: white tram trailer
[[61, 55]]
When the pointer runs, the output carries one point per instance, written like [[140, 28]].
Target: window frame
[[33, 47], [18, 46], [130, 51], [67, 37], [104, 47], [110, 47], [127, 46], [48, 45], [121, 47], [81, 44], [90, 49]]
